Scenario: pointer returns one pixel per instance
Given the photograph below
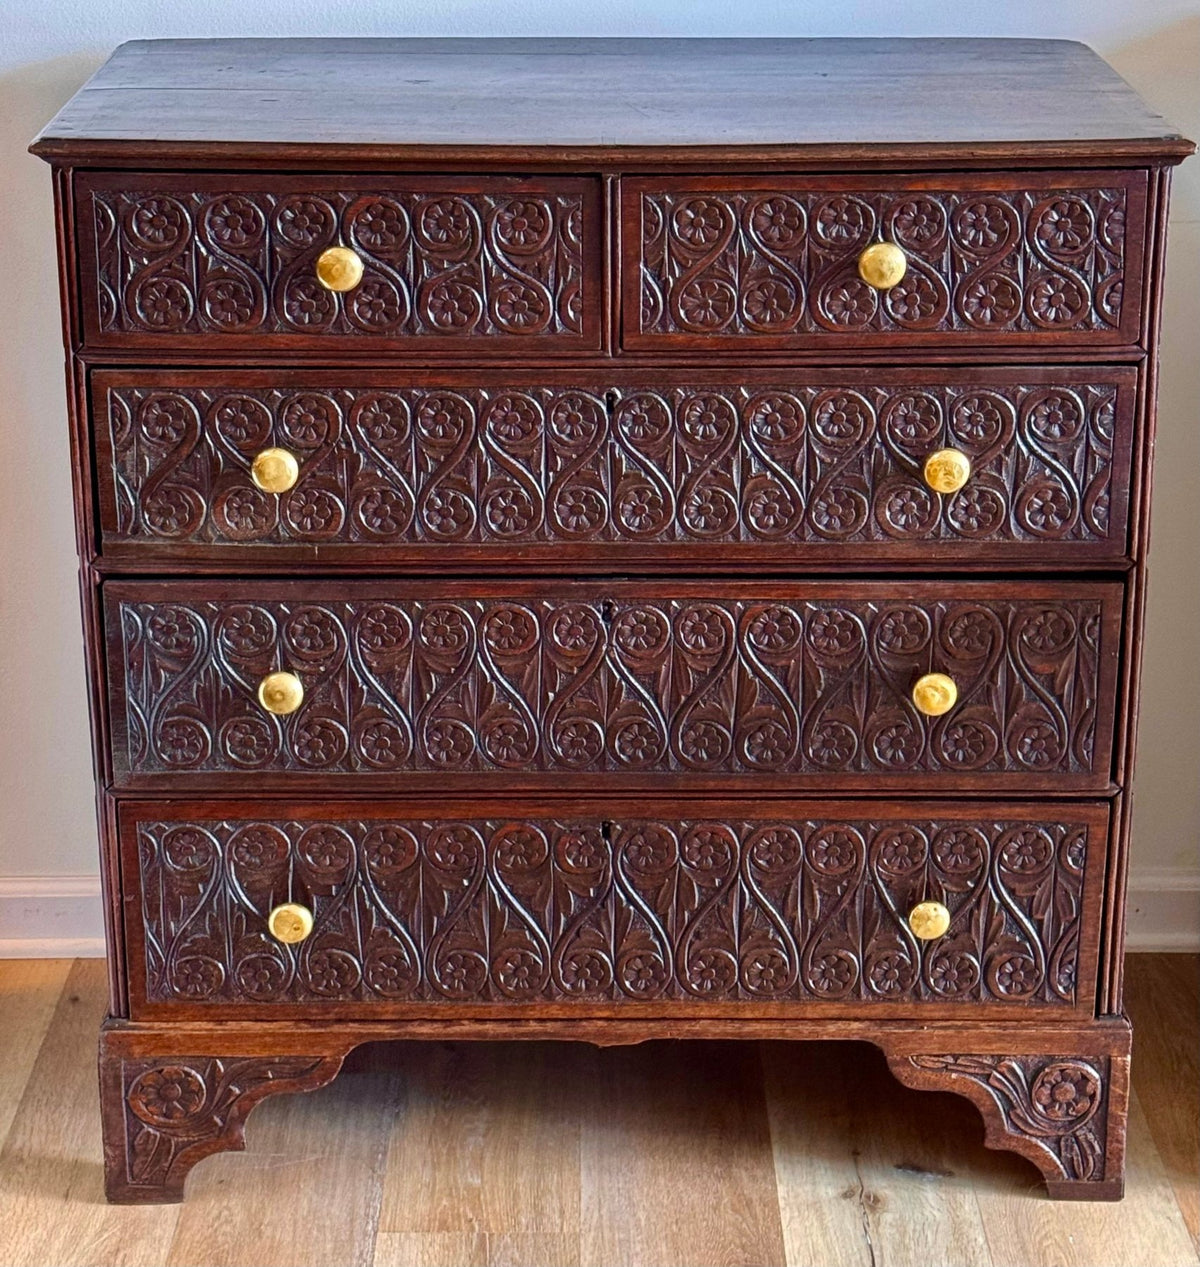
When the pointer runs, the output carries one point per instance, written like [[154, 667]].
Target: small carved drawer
[[372, 907], [686, 470], [618, 686], [964, 258], [480, 265]]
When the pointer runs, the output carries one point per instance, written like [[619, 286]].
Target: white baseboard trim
[[51, 917], [60, 917], [1162, 909]]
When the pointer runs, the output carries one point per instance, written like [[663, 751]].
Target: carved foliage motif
[[1058, 1104], [784, 262], [623, 685], [179, 1110], [439, 262], [509, 466], [503, 910]]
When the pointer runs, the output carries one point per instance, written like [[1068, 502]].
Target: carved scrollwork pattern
[[442, 260], [518, 910], [982, 260], [639, 683], [1057, 1106], [177, 1110], [806, 466]]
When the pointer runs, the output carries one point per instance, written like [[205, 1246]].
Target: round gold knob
[[281, 693], [339, 268], [928, 920], [275, 470], [934, 694], [947, 470], [882, 265], [290, 922]]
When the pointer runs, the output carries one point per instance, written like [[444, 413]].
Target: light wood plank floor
[[710, 1153]]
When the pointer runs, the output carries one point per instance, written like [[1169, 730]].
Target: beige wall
[[47, 49]]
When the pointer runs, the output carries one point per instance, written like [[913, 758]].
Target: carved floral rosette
[[1057, 1106], [177, 1110]]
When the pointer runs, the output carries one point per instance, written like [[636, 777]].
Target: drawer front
[[668, 469], [613, 685], [773, 262], [703, 906], [465, 263]]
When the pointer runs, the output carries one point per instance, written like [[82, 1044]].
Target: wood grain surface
[[672, 99], [516, 1154]]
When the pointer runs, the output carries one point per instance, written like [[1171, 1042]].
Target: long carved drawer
[[1017, 259], [615, 685], [474, 264], [647, 469], [630, 905]]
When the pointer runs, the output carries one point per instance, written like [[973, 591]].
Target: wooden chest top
[[799, 102]]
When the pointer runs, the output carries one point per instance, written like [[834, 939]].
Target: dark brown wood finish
[[614, 331], [601, 686], [793, 908], [661, 470], [174, 1093], [628, 102], [453, 265], [1018, 258]]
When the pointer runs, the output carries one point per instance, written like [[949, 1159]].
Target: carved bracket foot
[[164, 1113], [1065, 1113]]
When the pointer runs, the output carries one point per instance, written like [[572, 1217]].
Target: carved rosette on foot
[[163, 1114], [1065, 1113]]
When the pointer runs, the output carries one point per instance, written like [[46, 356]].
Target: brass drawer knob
[[339, 268], [882, 265], [290, 922], [281, 693], [947, 470], [934, 694], [928, 920], [275, 470]]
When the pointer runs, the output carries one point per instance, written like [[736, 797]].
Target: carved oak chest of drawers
[[605, 540]]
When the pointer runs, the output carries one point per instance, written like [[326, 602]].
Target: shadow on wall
[[48, 821], [45, 771], [1165, 68]]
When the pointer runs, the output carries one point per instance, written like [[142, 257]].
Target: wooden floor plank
[[52, 1206], [308, 1188], [474, 1249], [810, 1088], [538, 1249], [1146, 1229], [894, 1170], [431, 1249], [552, 1153], [922, 1159], [29, 993], [676, 1158], [1162, 995], [488, 1141]]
